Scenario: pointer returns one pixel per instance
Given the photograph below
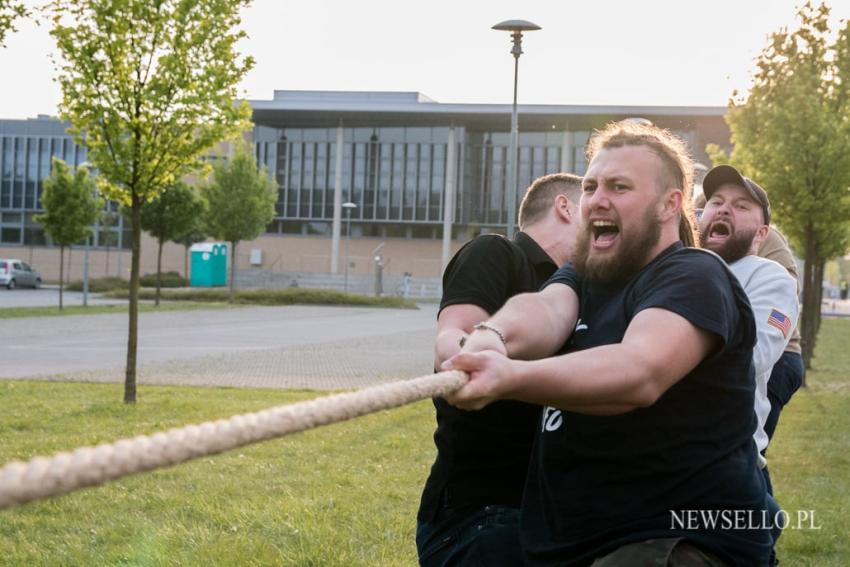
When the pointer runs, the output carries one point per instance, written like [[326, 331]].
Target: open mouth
[[719, 231], [605, 233]]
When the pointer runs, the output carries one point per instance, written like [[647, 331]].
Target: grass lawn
[[810, 456], [53, 311], [340, 495]]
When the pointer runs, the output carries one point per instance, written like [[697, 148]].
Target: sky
[[610, 52]]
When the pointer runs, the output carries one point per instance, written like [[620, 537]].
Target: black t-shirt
[[482, 456], [598, 482]]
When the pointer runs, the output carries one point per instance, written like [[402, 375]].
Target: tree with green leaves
[[10, 10], [172, 213], [240, 201], [71, 206], [149, 87], [791, 133]]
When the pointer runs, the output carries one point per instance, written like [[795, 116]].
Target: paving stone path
[[304, 347]]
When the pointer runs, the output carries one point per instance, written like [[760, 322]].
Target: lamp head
[[516, 27]]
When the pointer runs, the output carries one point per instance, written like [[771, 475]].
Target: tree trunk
[[133, 334], [819, 269], [810, 298], [232, 294], [158, 272], [186, 263], [61, 274], [818, 265]]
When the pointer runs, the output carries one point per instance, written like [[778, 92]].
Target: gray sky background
[[653, 52]]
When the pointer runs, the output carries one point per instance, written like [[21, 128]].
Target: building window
[[396, 195], [293, 184], [422, 231], [366, 230], [10, 234], [370, 193], [127, 239], [291, 227], [438, 178], [6, 178], [411, 177], [395, 231], [108, 230], [318, 228], [33, 232]]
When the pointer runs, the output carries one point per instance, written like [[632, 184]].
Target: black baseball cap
[[723, 174]]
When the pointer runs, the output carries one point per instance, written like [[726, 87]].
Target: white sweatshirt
[[773, 295]]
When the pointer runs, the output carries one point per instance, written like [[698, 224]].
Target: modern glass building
[[26, 150], [395, 147], [386, 152]]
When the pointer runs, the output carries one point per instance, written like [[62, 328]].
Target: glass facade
[[483, 201], [25, 159], [397, 176]]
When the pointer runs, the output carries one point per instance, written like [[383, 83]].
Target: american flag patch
[[780, 321]]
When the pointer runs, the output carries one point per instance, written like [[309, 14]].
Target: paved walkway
[[314, 347], [48, 296], [835, 308]]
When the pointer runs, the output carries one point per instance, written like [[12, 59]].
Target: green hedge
[[103, 285], [286, 296], [169, 279], [100, 285]]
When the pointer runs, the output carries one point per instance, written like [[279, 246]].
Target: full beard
[[626, 262], [733, 248]]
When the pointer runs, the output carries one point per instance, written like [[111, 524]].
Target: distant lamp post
[[379, 270], [516, 27], [348, 206]]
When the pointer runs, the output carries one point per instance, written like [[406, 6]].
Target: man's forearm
[[603, 380], [447, 345], [569, 382], [453, 323], [658, 349], [536, 325]]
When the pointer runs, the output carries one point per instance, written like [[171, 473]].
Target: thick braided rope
[[42, 477]]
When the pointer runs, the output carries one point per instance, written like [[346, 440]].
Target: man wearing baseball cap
[[734, 223]]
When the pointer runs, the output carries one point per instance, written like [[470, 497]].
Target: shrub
[[169, 279], [286, 296], [100, 285]]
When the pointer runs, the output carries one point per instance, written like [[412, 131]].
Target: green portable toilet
[[209, 264]]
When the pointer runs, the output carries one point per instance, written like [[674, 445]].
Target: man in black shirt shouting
[[473, 493], [644, 454]]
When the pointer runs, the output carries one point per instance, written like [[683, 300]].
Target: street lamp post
[[348, 206], [516, 27]]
